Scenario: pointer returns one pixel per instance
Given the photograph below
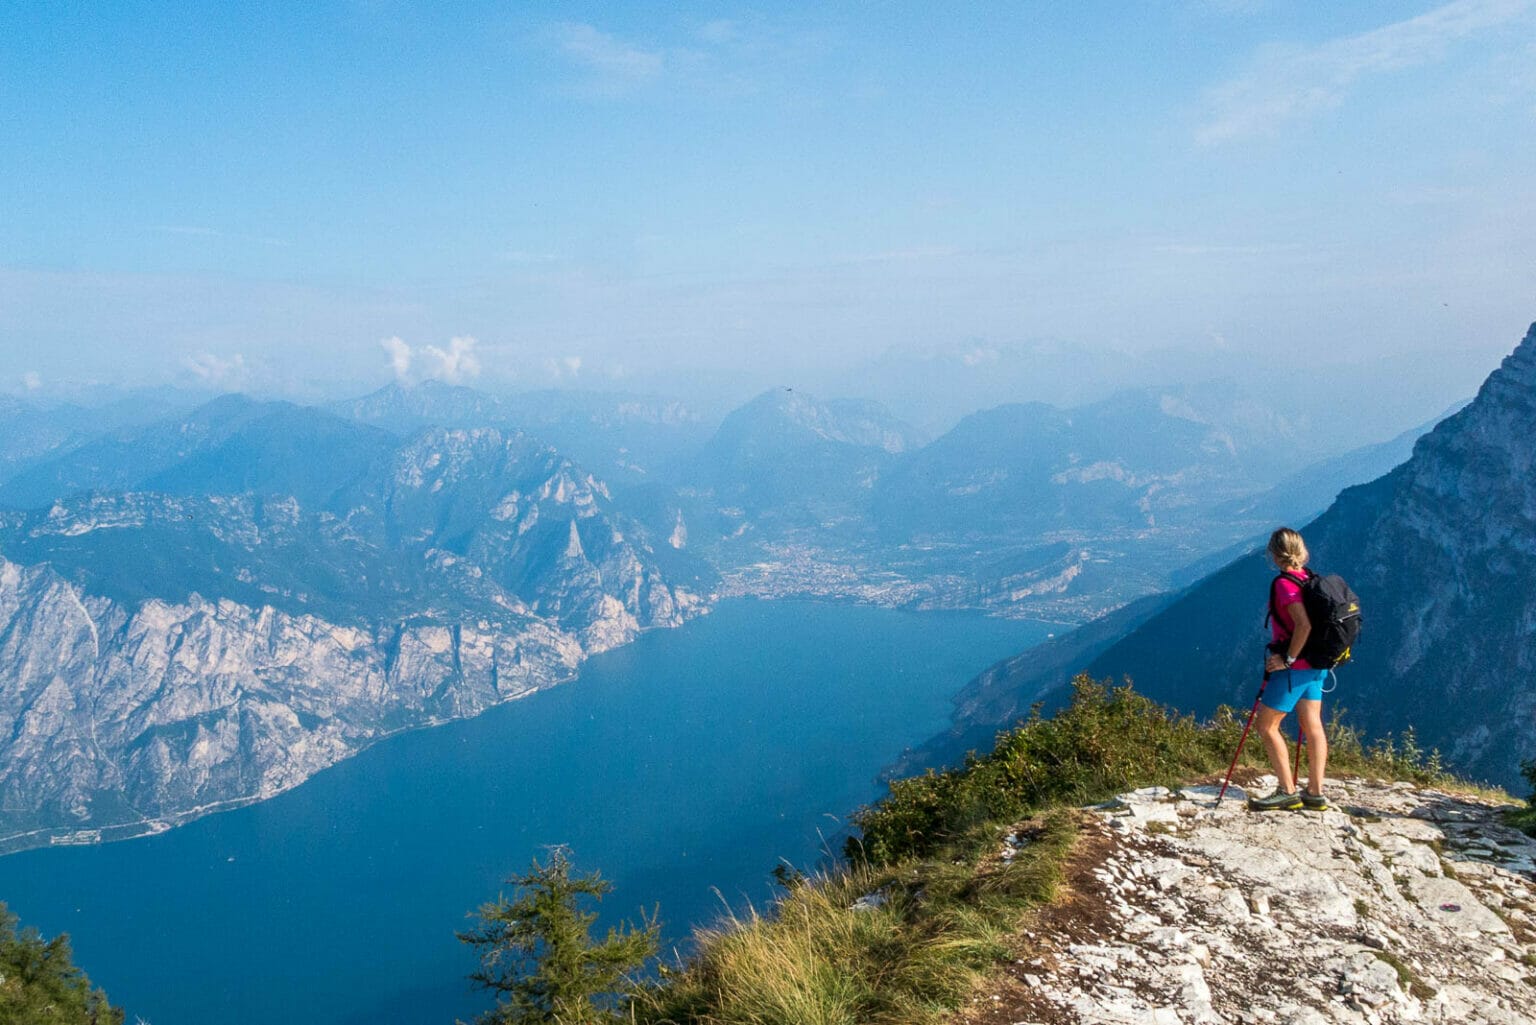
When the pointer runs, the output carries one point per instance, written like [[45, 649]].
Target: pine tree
[[538, 955], [40, 985]]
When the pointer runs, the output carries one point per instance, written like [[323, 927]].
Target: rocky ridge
[[166, 654], [1399, 905]]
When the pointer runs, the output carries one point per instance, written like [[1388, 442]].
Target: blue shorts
[[1288, 686]]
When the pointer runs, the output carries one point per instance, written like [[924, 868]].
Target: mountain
[[787, 459], [940, 386], [625, 439], [130, 456], [32, 432], [1441, 551], [1140, 459], [1033, 468], [1023, 509], [277, 588]]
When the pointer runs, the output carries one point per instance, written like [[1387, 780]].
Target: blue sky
[[311, 196]]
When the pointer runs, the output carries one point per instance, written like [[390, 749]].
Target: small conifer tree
[[40, 985], [538, 955]]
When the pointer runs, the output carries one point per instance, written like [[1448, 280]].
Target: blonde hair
[[1287, 548]]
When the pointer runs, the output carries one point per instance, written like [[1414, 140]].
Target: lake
[[682, 766]]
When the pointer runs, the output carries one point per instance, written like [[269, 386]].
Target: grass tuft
[[816, 961]]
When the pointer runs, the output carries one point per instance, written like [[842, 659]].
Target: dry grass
[[944, 923]]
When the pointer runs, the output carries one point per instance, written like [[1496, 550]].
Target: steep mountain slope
[[1442, 552], [299, 586]]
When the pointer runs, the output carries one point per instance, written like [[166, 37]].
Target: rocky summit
[[1398, 905]]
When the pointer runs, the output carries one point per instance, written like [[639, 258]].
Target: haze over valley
[[436, 436]]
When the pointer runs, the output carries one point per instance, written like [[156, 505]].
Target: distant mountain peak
[[860, 422]]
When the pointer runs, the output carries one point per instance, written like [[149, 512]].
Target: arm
[[1302, 629]]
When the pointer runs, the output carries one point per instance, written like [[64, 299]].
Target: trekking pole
[[1301, 738], [1244, 739]]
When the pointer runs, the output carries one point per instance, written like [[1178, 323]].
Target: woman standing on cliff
[[1293, 683]]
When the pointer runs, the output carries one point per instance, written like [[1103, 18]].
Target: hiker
[[1294, 683]]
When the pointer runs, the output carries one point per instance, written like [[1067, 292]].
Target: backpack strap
[[1274, 611]]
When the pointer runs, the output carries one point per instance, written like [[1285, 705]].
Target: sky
[[321, 197]]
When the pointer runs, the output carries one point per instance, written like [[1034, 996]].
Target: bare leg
[[1268, 724], [1311, 715]]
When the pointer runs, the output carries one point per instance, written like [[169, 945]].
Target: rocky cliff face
[[164, 654], [1442, 552], [1402, 905]]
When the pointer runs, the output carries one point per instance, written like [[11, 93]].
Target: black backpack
[[1334, 611]]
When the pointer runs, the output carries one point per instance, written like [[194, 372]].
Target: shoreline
[[54, 837]]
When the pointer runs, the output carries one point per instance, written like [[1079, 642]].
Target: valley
[[206, 608]]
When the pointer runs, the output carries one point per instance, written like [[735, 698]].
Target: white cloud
[[217, 370], [613, 65], [32, 380], [456, 364], [1287, 83], [399, 356]]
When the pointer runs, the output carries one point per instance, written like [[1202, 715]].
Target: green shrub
[[1108, 739]]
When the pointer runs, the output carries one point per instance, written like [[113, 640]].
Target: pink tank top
[[1287, 593]]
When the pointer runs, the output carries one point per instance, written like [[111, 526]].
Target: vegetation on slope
[[950, 866], [40, 985], [893, 944], [1107, 740]]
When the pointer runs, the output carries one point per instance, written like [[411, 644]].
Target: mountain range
[[205, 606], [1442, 552], [221, 604]]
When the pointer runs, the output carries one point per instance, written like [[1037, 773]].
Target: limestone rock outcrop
[[1399, 905]]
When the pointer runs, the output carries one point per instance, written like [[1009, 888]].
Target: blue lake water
[[684, 764]]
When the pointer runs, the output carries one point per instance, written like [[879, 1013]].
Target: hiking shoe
[[1313, 802], [1277, 801]]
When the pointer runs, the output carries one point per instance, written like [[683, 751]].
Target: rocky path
[[1400, 905]]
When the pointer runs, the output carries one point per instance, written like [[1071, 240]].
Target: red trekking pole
[[1247, 726], [1301, 738]]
